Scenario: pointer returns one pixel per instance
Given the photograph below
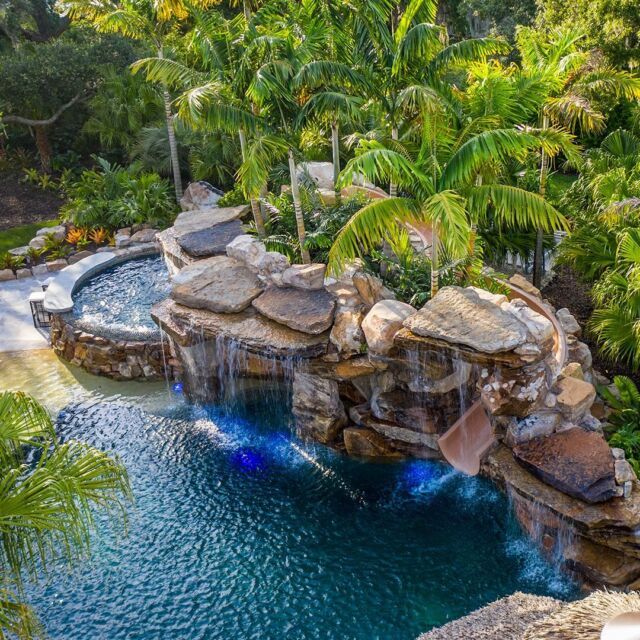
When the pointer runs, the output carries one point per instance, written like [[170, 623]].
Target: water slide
[[471, 436]]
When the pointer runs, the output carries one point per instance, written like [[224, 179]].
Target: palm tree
[[48, 492], [572, 80], [406, 55], [451, 183], [150, 22]]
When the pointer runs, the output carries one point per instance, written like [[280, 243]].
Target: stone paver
[[17, 332]]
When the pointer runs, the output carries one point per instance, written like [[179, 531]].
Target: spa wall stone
[[116, 359]]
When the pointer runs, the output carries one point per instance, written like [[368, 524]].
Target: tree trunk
[[255, 207], [393, 191], [173, 145], [335, 147], [538, 256], [435, 274], [246, 10], [44, 147], [297, 206]]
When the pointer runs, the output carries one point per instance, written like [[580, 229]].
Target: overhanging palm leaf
[[368, 228]]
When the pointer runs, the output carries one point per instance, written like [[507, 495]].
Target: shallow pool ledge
[[58, 296]]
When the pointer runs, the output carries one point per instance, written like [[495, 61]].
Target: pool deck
[[17, 332]]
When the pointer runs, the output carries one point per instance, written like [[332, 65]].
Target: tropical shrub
[[604, 246], [99, 235], [111, 196], [233, 198], [48, 495], [624, 421], [76, 235], [9, 261]]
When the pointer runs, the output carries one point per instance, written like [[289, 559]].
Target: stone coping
[[58, 297]]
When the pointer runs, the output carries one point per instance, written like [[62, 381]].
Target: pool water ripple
[[240, 531]]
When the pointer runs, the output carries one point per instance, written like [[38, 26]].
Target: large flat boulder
[[220, 284], [200, 195], [299, 309], [461, 316], [248, 329], [576, 462], [189, 221], [210, 241]]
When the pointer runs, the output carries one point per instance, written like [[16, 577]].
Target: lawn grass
[[20, 236]]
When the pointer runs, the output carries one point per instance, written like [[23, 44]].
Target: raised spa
[[115, 303]]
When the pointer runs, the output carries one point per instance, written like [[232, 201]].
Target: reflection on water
[[241, 531]]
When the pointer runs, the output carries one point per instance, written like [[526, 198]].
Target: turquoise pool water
[[240, 531]]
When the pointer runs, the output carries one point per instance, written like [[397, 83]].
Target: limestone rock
[[579, 352], [568, 322], [460, 316], [305, 276], [272, 265], [496, 298], [404, 409], [624, 472], [366, 443], [248, 249], [573, 370], [576, 462], [521, 282], [575, 397], [7, 274], [540, 328], [144, 235], [59, 232], [210, 241], [81, 255], [317, 408], [533, 426], [19, 251], [56, 265], [122, 240], [200, 195], [198, 219], [23, 273], [37, 242], [306, 311], [403, 436], [382, 323], [347, 334], [39, 270], [371, 289], [220, 284]]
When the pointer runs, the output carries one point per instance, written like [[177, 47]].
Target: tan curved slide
[[471, 436]]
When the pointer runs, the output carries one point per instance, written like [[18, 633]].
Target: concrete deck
[[17, 332]]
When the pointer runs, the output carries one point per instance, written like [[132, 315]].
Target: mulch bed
[[568, 290], [23, 203]]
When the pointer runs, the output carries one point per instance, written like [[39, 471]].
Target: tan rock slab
[[307, 311], [575, 397], [461, 316], [382, 323], [219, 284]]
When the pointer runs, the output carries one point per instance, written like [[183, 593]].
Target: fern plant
[[624, 421]]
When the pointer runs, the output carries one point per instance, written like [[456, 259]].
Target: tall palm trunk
[[173, 145], [335, 147], [435, 274], [255, 206], [393, 190], [538, 256], [297, 206]]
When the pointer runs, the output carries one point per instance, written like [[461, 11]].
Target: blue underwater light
[[177, 387], [419, 473], [248, 460]]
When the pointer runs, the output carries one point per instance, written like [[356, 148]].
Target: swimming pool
[[241, 531]]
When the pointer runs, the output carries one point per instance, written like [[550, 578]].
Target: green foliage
[[624, 421], [123, 105], [233, 198], [9, 261], [49, 492], [114, 197], [20, 236], [613, 27]]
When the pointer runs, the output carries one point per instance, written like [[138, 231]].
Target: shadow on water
[[241, 531]]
